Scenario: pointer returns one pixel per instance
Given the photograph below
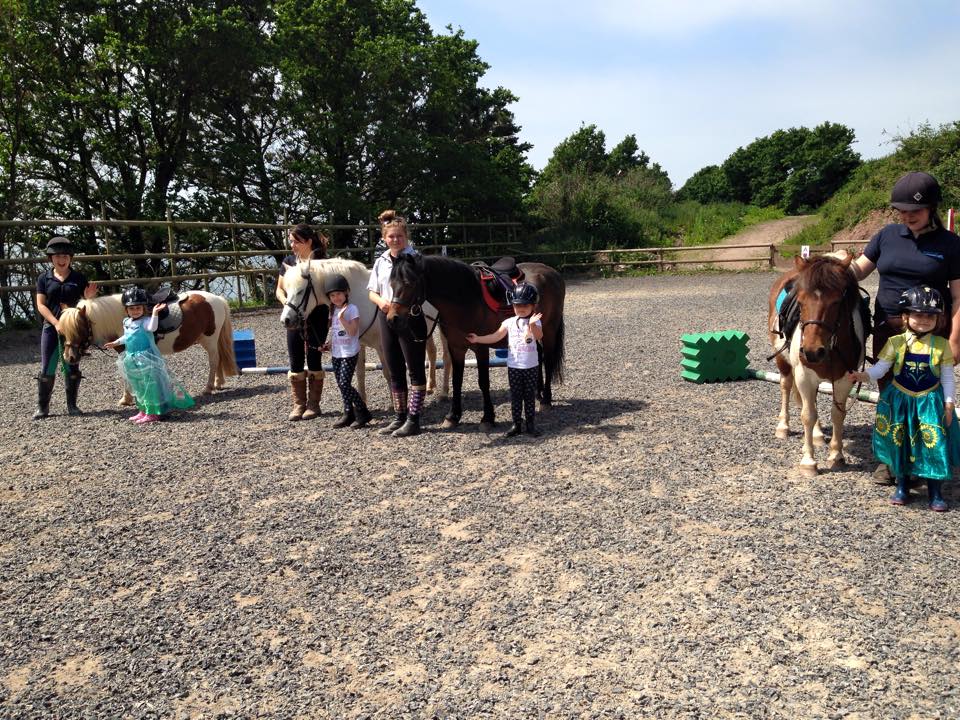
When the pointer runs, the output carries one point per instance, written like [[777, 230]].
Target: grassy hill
[[865, 198]]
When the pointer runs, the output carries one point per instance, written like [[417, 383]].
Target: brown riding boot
[[314, 391], [298, 389]]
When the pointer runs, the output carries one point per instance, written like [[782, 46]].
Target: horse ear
[[800, 262], [305, 269], [82, 309]]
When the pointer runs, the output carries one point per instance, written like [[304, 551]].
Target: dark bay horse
[[453, 288], [828, 341]]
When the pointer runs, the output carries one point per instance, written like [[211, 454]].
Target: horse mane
[[825, 273], [450, 278], [105, 314]]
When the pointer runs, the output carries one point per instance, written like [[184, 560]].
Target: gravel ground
[[654, 554]]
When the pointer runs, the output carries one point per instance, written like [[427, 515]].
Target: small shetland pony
[[828, 341], [206, 322], [453, 288], [304, 287]]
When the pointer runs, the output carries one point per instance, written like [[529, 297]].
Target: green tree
[[796, 169], [707, 185]]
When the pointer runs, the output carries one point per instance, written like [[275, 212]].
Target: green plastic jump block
[[714, 356]]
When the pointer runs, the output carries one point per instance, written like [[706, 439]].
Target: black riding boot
[[514, 430], [410, 427], [72, 382], [363, 417], [44, 390], [532, 429], [344, 419], [395, 425]]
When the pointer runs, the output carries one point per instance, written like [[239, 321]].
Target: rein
[[300, 308]]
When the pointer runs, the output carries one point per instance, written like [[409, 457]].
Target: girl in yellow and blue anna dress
[[915, 433], [141, 364]]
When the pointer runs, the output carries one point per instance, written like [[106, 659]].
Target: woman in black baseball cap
[[59, 287], [918, 250]]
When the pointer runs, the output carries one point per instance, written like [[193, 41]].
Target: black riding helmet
[[523, 294], [335, 283], [135, 296], [914, 191], [59, 244], [921, 299]]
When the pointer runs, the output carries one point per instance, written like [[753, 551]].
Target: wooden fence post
[[172, 261], [236, 257], [773, 256]]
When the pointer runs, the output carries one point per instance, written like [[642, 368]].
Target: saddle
[[171, 317], [496, 281]]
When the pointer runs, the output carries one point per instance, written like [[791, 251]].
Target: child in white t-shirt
[[523, 331], [345, 349]]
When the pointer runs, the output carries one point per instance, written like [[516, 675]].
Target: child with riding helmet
[[402, 354], [59, 287], [142, 366], [523, 331], [304, 342], [344, 347], [915, 433]]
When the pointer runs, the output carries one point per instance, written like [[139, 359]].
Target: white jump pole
[[469, 362], [871, 396]]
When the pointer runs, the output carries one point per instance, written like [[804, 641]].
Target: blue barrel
[[244, 348]]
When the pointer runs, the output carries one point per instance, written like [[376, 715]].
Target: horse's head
[[77, 332], [301, 295], [407, 283], [826, 292]]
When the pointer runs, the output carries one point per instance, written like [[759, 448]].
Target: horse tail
[[554, 363], [228, 361]]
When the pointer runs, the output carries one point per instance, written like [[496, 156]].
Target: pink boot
[[146, 419], [138, 417]]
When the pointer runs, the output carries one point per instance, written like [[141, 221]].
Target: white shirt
[[342, 343], [522, 354], [379, 280]]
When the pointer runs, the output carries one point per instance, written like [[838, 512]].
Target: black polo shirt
[[69, 292], [902, 261]]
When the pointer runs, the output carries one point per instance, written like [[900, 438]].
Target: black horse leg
[[456, 401], [483, 380]]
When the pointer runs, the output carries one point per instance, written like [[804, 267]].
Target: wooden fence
[[253, 271]]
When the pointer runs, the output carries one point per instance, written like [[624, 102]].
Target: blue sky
[[695, 80]]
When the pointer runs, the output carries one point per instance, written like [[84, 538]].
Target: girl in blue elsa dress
[[141, 364], [916, 432]]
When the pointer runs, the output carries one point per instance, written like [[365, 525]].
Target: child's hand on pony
[[858, 377]]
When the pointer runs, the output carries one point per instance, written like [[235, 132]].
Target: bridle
[[415, 310], [299, 308], [86, 332]]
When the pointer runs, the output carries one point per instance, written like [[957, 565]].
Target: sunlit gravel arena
[[654, 554]]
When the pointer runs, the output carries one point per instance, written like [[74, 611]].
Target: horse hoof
[[836, 463], [782, 433], [449, 424], [809, 471], [207, 391], [487, 427]]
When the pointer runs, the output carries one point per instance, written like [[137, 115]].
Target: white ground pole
[[870, 396]]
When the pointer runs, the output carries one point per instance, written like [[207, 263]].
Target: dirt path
[[773, 231]]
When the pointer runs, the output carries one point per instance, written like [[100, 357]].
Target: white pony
[[206, 322], [304, 283]]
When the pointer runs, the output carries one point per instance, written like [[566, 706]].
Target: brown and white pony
[[828, 342], [206, 322]]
